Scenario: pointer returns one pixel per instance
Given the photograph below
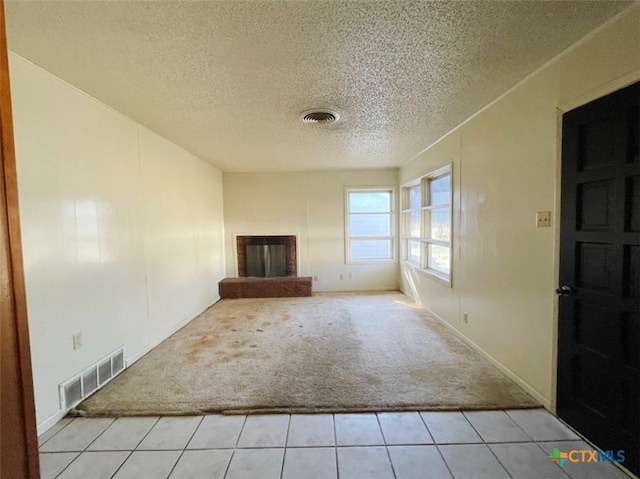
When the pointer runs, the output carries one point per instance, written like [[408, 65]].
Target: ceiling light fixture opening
[[319, 116]]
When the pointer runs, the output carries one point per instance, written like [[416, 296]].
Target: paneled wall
[[310, 205], [506, 168], [122, 230]]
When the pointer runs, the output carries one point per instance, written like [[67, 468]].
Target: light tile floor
[[512, 444]]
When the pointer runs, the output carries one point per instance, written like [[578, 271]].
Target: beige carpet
[[329, 352]]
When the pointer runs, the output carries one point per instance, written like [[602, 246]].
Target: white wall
[[311, 205], [122, 230], [506, 168]]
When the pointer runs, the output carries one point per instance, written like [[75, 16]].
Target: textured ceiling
[[227, 80]]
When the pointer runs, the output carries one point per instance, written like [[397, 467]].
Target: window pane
[[415, 197], [440, 224], [440, 190], [369, 201], [370, 225], [414, 224], [439, 259], [413, 253], [370, 249]]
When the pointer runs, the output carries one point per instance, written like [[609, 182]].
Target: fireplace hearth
[[267, 268]]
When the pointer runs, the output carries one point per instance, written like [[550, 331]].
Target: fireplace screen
[[266, 256], [266, 261]]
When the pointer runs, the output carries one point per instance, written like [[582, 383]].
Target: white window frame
[[392, 236], [425, 209]]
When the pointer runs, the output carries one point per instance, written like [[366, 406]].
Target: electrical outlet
[[465, 317], [341, 276], [543, 219], [350, 275], [315, 277], [77, 340]]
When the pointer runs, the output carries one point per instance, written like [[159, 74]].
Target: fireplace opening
[[266, 256], [266, 261]]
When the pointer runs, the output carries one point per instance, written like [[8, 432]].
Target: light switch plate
[[543, 219]]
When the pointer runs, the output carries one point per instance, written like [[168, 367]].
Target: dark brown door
[[18, 439], [599, 308]]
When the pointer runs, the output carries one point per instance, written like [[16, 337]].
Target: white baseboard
[[408, 295], [136, 356], [546, 403], [51, 421], [54, 418], [359, 290]]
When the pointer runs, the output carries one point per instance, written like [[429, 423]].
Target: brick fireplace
[[267, 268], [267, 256]]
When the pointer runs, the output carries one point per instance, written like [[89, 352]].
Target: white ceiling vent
[[319, 115]]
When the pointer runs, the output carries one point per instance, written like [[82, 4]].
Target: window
[[370, 225], [426, 223]]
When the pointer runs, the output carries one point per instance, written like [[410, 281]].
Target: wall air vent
[[322, 116], [82, 385], [117, 362], [72, 390], [104, 372], [90, 381]]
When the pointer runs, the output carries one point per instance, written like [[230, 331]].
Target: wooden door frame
[[18, 435]]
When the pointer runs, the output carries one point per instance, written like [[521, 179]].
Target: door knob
[[564, 291]]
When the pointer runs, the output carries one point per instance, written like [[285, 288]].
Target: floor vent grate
[[91, 379]]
